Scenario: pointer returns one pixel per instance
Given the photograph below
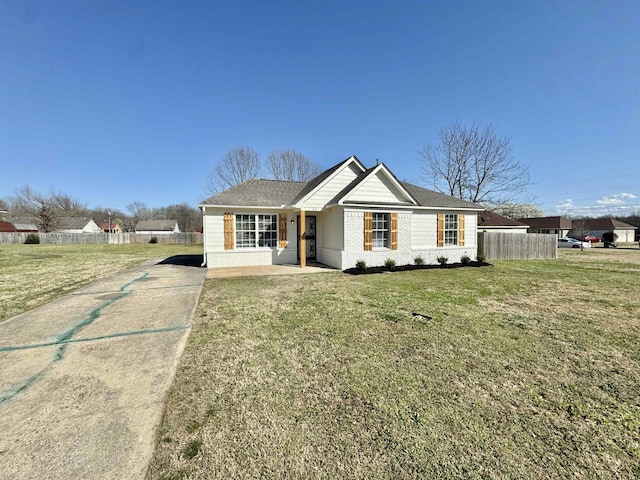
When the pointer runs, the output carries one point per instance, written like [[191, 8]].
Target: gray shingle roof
[[275, 193], [156, 225], [72, 223], [258, 193], [429, 198]]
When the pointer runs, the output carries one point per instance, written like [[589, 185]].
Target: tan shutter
[[283, 231], [229, 242], [368, 231], [394, 231], [461, 230], [441, 229]]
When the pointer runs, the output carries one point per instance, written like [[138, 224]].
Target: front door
[[310, 237]]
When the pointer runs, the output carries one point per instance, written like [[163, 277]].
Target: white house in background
[[492, 222], [347, 213], [599, 226], [157, 227], [77, 225]]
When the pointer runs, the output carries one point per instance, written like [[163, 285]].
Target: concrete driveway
[[83, 379]]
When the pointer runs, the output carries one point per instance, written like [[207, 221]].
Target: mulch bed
[[404, 268]]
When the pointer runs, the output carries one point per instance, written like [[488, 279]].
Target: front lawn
[[32, 275], [528, 369]]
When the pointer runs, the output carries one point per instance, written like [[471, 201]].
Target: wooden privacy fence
[[517, 246], [103, 238]]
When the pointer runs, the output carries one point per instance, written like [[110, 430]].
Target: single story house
[[346, 214], [157, 227], [77, 225], [558, 225], [113, 228], [492, 222], [598, 226], [20, 225]]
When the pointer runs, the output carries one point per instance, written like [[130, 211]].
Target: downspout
[[204, 240]]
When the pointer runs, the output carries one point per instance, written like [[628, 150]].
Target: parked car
[[568, 242], [591, 239]]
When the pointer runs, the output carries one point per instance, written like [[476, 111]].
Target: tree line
[[47, 210]]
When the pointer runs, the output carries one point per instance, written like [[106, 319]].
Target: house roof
[[604, 224], [259, 193], [429, 198], [22, 224], [548, 222], [156, 225], [314, 183], [73, 223], [490, 219], [276, 193]]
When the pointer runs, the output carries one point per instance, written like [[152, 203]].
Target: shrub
[[153, 240], [390, 263], [443, 260], [465, 260], [361, 265], [32, 238], [418, 260], [481, 258]]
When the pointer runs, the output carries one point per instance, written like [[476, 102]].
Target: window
[[380, 230], [451, 229], [254, 231]]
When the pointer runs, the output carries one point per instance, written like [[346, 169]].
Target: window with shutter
[[461, 230]]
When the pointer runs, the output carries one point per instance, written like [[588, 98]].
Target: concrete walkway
[[83, 379], [265, 270]]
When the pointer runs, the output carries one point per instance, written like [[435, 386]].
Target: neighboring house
[[598, 226], [115, 227], [346, 214], [20, 225], [4, 209], [157, 227], [77, 225], [558, 225], [492, 222]]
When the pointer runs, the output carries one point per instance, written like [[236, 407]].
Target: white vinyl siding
[[333, 187], [376, 188]]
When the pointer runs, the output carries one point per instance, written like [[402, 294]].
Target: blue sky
[[118, 101]]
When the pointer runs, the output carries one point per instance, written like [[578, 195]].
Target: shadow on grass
[[184, 260]]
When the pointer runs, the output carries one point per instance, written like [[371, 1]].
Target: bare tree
[[138, 211], [290, 165], [238, 165], [41, 208], [69, 206], [474, 164]]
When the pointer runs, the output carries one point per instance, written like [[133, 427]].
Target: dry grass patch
[[527, 370], [33, 275]]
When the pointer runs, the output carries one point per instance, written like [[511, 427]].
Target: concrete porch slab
[[264, 270]]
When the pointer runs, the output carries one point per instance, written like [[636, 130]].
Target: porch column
[[303, 241]]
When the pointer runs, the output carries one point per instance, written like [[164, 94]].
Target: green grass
[[32, 275], [527, 370]]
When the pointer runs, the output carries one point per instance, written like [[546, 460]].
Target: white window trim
[[256, 231]]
